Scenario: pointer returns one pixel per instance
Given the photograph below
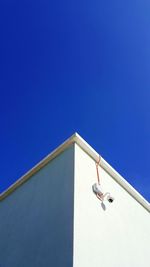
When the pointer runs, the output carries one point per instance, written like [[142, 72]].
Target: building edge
[[76, 138]]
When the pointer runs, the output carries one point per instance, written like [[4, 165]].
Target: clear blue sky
[[69, 66]]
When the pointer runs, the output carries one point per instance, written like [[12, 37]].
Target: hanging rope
[[97, 186], [97, 170]]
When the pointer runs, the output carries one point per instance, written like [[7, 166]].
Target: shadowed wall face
[[36, 220]]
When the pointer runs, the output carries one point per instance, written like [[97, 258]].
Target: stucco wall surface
[[113, 235], [36, 220]]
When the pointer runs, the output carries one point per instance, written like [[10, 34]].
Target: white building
[[51, 217]]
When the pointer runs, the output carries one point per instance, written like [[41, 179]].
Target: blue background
[[69, 66]]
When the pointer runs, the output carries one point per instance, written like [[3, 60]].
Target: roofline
[[76, 138]]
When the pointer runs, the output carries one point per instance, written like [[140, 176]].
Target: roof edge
[[38, 166], [114, 174], [76, 138]]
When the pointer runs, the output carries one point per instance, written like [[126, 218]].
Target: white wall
[[115, 237], [36, 220]]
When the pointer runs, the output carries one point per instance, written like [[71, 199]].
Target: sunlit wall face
[[107, 234]]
